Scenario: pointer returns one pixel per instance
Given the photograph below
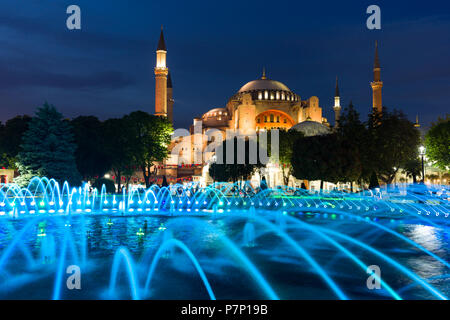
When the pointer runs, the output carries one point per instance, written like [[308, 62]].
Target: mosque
[[260, 104]]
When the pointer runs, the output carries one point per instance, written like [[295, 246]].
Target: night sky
[[214, 47]]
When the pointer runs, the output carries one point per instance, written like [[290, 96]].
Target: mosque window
[[266, 95], [271, 118], [219, 118], [265, 118], [258, 120], [260, 96], [285, 121], [278, 118], [278, 95]]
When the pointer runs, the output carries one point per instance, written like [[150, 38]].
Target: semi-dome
[[217, 117], [215, 113], [263, 84], [311, 128]]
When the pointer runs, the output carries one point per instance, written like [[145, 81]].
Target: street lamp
[[422, 154]]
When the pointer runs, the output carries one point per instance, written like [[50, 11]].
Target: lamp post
[[422, 154]]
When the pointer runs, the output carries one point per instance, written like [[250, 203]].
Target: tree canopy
[[91, 156], [11, 138], [149, 138], [220, 170], [394, 141], [437, 142], [48, 149]]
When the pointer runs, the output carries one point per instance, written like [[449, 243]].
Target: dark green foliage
[[223, 171], [394, 141], [109, 185], [91, 156], [119, 150], [11, 138], [413, 169], [314, 158], [437, 141], [373, 183], [149, 138], [285, 150], [48, 149]]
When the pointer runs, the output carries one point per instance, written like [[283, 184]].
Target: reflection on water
[[289, 274]]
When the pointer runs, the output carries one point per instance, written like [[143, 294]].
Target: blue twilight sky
[[215, 47]]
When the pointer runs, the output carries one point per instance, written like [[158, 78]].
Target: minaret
[[169, 99], [377, 84], [337, 105], [264, 74], [417, 124], [161, 73]]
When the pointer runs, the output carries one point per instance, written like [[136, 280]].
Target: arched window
[[271, 118]]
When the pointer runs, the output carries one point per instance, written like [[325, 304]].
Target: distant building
[[6, 176], [260, 104]]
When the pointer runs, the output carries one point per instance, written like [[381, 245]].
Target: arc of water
[[253, 271], [177, 243], [380, 226], [350, 255], [300, 250], [412, 275], [59, 273], [122, 254]]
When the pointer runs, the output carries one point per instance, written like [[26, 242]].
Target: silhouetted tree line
[[355, 151], [359, 151], [83, 148]]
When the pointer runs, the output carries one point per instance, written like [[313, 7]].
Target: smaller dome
[[217, 117], [216, 112], [311, 128]]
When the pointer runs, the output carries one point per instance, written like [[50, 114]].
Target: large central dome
[[263, 84]]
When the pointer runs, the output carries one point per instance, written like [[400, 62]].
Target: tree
[[119, 150], [11, 139], [285, 149], [150, 137], [316, 158], [413, 169], [109, 185], [48, 149], [235, 171], [91, 156], [353, 141], [373, 183], [437, 142], [394, 141]]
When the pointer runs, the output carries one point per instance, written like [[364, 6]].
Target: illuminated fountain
[[223, 242]]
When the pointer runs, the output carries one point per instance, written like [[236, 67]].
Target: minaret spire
[[377, 84], [376, 63], [161, 42], [336, 93], [264, 74], [417, 124], [161, 74], [337, 105]]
